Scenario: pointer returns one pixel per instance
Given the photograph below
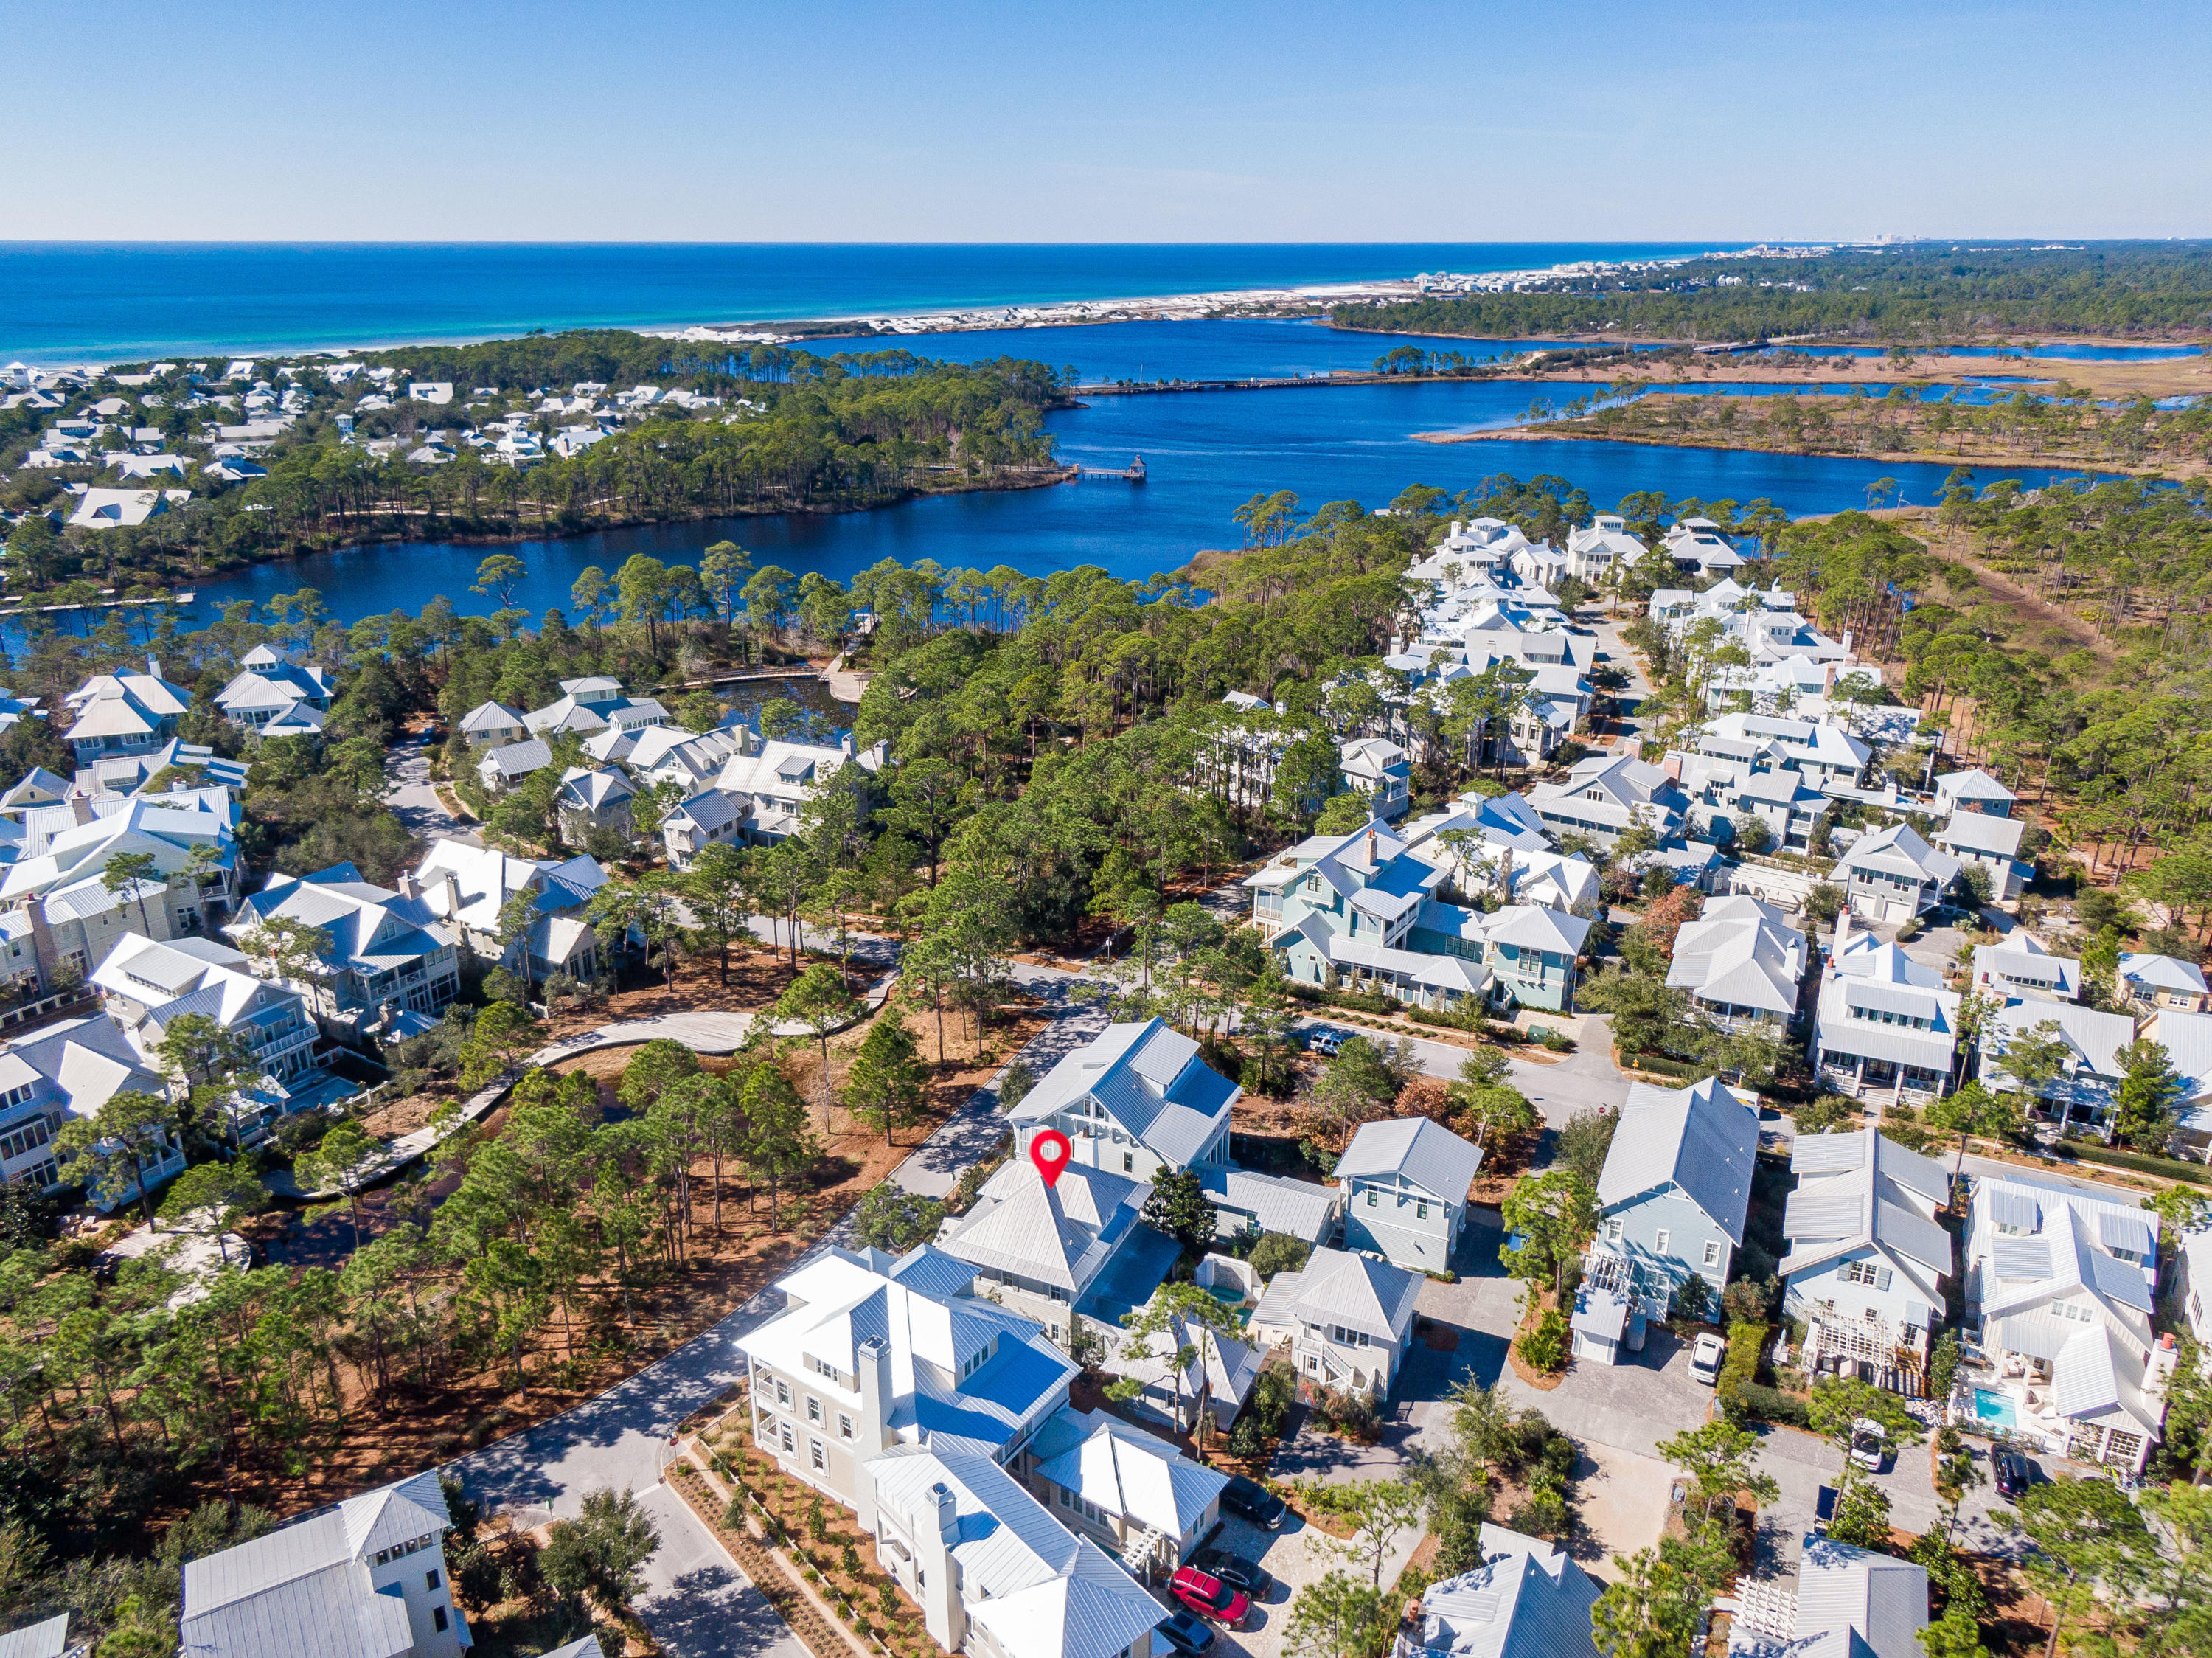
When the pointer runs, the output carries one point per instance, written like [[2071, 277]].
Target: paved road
[[414, 803], [1583, 1079]]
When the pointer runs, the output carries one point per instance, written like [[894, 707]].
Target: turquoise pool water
[[1994, 1410]]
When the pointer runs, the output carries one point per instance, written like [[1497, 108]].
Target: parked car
[[1254, 1502], [1705, 1360], [1209, 1597], [2012, 1472], [1869, 1444], [1327, 1040], [1245, 1575], [1188, 1635]]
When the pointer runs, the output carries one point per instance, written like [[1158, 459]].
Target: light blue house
[[1357, 912], [1671, 1202], [1405, 1184]]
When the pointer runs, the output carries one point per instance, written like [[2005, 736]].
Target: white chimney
[[948, 1513], [409, 887]]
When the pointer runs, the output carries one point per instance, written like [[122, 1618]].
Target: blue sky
[[672, 119]]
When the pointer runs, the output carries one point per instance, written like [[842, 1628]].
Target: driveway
[[414, 803], [696, 1601], [1584, 1079], [1294, 1557]]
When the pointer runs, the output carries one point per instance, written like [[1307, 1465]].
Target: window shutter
[[1844, 1272], [1881, 1278]]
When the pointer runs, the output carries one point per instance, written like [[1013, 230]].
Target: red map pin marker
[[1050, 1151]]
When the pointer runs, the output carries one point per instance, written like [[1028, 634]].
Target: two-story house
[[1868, 1255], [62, 887], [1135, 1101], [709, 818], [1741, 962], [1885, 1026], [1527, 1599], [1039, 1249], [124, 713], [1404, 1184], [1123, 1487], [1977, 840], [385, 950], [994, 1573], [772, 788], [270, 686], [2158, 983], [470, 886], [1892, 876], [589, 800], [367, 1578], [1376, 769], [1605, 794], [2023, 966], [869, 1354], [492, 725], [593, 705], [2092, 1064], [1973, 791], [1672, 1199], [2059, 1286], [71, 1070], [1344, 1321], [147, 986]]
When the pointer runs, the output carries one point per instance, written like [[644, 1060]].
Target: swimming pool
[[1994, 1410]]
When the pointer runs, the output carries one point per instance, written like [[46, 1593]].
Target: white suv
[[1705, 1360]]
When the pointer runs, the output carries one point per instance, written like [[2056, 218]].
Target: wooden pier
[[1132, 473]]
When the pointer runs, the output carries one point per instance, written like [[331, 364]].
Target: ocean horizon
[[122, 301]]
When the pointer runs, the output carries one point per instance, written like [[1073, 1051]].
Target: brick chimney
[[42, 940]]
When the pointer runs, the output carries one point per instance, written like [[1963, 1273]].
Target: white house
[[270, 683], [1121, 1486], [1344, 1320], [1605, 793], [1136, 1100], [1892, 876], [2090, 1081], [2059, 1287], [471, 885], [108, 509], [1885, 1027], [1991, 845], [72, 917], [1867, 1255], [2021, 964], [1672, 1199], [709, 818], [71, 1070], [1849, 1603], [124, 714], [1742, 963], [1973, 791], [1405, 1186], [1527, 1599], [1375, 768], [367, 1578], [1038, 1249], [386, 950], [772, 787]]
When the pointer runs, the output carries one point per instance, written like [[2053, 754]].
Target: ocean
[[72, 301]]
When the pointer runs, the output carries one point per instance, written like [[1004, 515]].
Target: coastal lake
[[1206, 453]]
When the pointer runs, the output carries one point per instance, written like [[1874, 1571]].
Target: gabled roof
[[47, 1639], [1527, 1599], [491, 716], [518, 759], [1702, 1138], [1125, 1471], [1744, 957], [1416, 1149], [709, 809], [1336, 1287], [1276, 1203], [1060, 1235], [1855, 1189], [1149, 1080], [1882, 1599], [1968, 830], [2164, 972], [1898, 851], [1976, 784]]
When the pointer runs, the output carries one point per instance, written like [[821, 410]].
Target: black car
[[2013, 1472], [1243, 1575], [1254, 1502], [1188, 1635]]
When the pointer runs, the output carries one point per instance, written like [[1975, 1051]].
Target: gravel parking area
[[1296, 1555], [1621, 1499]]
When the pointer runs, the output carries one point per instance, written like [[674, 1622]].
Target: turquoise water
[[1994, 1410], [63, 300]]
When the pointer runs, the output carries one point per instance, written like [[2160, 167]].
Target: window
[[789, 1444], [844, 1427], [429, 1579], [1659, 1241], [1859, 1272], [1371, 1196], [815, 1455], [1712, 1253], [1612, 1231], [813, 1408], [782, 1393], [1420, 1211], [1128, 1162], [438, 1619]]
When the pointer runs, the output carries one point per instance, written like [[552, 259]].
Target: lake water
[[2077, 353], [111, 302], [1205, 453]]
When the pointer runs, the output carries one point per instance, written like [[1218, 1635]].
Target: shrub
[[1745, 1340], [1763, 1403], [734, 1514], [2195, 1173], [1278, 1251], [1545, 1347], [1749, 1300], [1015, 1085], [1554, 1039]]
